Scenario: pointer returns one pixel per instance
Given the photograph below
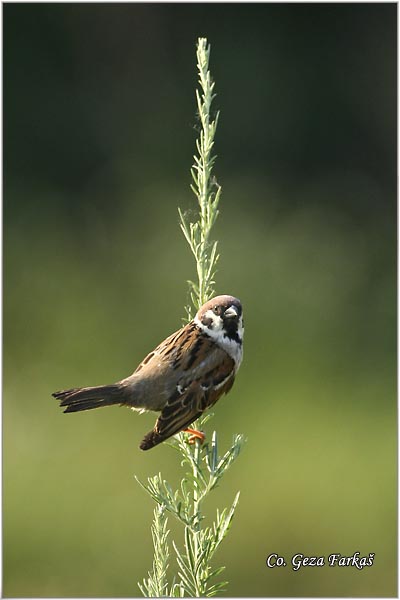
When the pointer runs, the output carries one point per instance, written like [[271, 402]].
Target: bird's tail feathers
[[77, 399]]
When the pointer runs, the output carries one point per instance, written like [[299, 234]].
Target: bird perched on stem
[[185, 375]]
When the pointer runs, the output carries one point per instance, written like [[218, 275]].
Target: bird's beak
[[231, 312]]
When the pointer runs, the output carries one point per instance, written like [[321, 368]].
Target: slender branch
[[204, 467], [205, 188]]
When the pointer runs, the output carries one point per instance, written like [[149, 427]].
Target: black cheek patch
[[207, 321]]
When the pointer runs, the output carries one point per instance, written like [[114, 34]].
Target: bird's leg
[[195, 435]]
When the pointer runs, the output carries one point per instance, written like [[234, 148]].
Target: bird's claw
[[195, 435]]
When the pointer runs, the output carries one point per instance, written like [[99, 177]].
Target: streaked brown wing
[[187, 355], [192, 397], [175, 416]]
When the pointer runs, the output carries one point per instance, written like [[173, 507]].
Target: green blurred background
[[99, 131]]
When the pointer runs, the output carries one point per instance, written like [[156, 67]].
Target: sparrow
[[185, 375]]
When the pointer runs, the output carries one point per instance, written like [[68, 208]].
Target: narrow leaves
[[203, 466], [205, 188]]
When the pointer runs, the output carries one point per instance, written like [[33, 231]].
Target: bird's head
[[222, 318]]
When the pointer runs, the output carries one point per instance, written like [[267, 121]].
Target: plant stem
[[205, 188], [196, 506], [205, 467]]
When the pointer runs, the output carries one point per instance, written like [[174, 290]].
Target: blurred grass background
[[99, 131]]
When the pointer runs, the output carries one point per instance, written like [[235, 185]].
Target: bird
[[184, 376]]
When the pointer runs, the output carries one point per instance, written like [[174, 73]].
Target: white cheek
[[240, 328], [216, 332], [217, 323]]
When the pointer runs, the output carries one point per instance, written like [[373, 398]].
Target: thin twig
[[205, 467]]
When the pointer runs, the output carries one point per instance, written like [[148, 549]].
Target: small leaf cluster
[[204, 466], [204, 469], [156, 585], [205, 188]]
